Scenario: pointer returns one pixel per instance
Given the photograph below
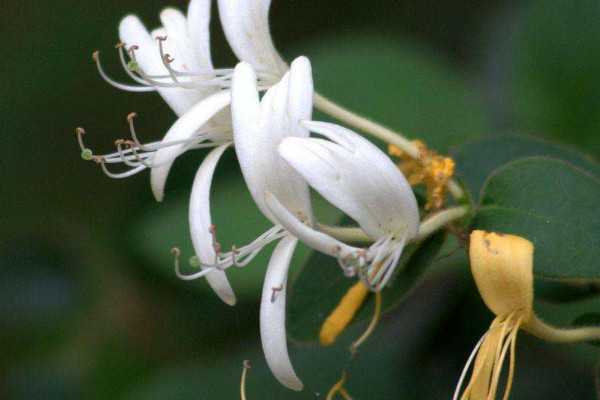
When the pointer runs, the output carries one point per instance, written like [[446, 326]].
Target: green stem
[[561, 335], [427, 227]]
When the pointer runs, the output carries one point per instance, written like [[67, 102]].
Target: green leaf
[[557, 291], [553, 79], [477, 159], [589, 319], [319, 285], [398, 84], [553, 204]]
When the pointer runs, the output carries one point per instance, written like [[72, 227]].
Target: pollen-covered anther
[[161, 38], [167, 57], [120, 45], [275, 290], [99, 159], [132, 49], [429, 168], [131, 116], [96, 56]]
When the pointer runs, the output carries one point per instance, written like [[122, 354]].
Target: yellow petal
[[502, 266]]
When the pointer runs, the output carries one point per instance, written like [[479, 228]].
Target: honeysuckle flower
[[502, 267], [258, 127], [175, 60], [359, 179]]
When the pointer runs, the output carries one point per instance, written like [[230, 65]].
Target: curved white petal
[[200, 222], [184, 128], [132, 32], [198, 16], [272, 315], [246, 26], [307, 235], [258, 126], [356, 177]]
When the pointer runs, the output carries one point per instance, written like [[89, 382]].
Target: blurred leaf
[[319, 285], [398, 84], [555, 79], [557, 291], [553, 204], [589, 319], [478, 158]]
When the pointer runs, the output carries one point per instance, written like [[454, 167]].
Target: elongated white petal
[[200, 223], [259, 126], [184, 128], [307, 235], [272, 315], [133, 32], [198, 16], [246, 26], [356, 177]]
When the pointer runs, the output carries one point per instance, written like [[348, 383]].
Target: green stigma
[[87, 154], [195, 262], [132, 65]]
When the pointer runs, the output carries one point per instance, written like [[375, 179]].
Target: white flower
[[258, 128], [359, 179], [175, 60]]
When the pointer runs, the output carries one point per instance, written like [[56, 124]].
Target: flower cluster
[[262, 109]]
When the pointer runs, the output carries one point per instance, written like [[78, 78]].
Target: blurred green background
[[89, 306]]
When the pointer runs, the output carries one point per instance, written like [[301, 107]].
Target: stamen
[[239, 257], [338, 388], [120, 47], [118, 85], [243, 382], [371, 327]]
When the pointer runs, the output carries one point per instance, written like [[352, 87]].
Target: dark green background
[[89, 307]]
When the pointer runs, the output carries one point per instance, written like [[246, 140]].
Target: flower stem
[[364, 124], [438, 220], [427, 227], [561, 335], [379, 131]]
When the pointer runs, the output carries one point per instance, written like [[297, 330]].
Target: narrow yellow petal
[[343, 314]]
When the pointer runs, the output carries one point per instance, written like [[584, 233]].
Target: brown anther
[[80, 131], [99, 159], [168, 58], [96, 56], [212, 229], [161, 38], [120, 45], [119, 142], [129, 143], [275, 289], [234, 249], [246, 364], [131, 116], [132, 48]]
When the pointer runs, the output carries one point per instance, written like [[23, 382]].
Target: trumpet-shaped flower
[[359, 179], [175, 60], [258, 127]]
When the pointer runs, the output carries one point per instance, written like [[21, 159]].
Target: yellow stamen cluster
[[429, 168]]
